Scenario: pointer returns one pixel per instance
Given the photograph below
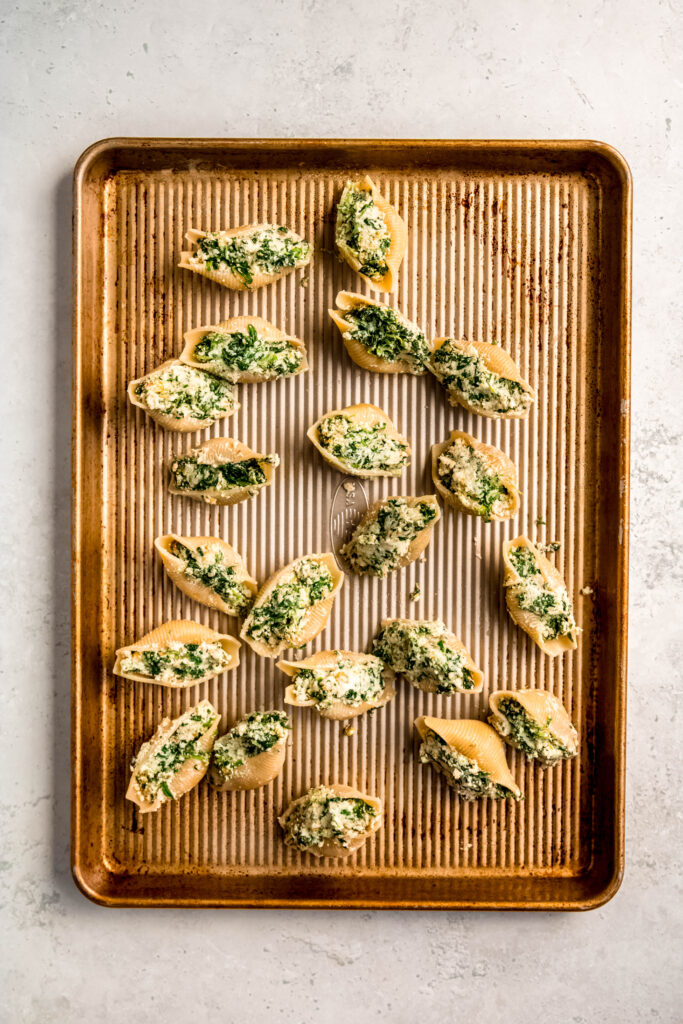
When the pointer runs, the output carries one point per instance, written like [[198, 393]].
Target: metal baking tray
[[524, 243]]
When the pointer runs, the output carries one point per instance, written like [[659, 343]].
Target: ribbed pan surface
[[500, 257]]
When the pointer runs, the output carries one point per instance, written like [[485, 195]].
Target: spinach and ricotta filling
[[209, 568], [253, 735], [534, 739], [326, 817], [387, 335], [348, 682], [463, 472], [280, 618], [184, 392], [362, 447], [421, 652], [265, 250], [380, 542], [532, 593], [231, 354], [176, 662], [461, 773], [189, 473], [154, 772], [362, 232], [467, 379]]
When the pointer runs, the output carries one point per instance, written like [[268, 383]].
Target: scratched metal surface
[[507, 256]]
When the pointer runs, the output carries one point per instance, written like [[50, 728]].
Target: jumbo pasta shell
[[326, 660], [240, 324], [362, 415], [226, 277], [182, 631], [417, 545], [346, 301], [527, 620], [398, 233], [255, 773], [501, 362], [329, 848], [452, 641], [544, 708], [185, 424], [494, 459], [317, 617], [495, 359], [218, 451], [191, 772], [475, 740], [194, 589]]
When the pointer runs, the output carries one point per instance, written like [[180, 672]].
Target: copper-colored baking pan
[[525, 243]]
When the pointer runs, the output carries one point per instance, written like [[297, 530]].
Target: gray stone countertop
[[74, 72]]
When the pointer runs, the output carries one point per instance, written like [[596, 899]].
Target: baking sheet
[[527, 244]]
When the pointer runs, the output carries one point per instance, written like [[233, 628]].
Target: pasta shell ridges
[[475, 740], [256, 771]]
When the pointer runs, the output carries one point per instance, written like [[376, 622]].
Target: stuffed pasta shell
[[470, 755], [244, 350], [535, 722], [252, 753], [183, 398], [221, 471], [378, 337], [429, 656], [293, 606], [537, 599], [360, 440], [246, 257], [175, 759], [331, 821], [475, 478], [482, 378], [208, 570], [180, 653], [370, 234], [338, 684], [391, 534]]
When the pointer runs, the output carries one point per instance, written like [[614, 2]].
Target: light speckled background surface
[[74, 72]]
